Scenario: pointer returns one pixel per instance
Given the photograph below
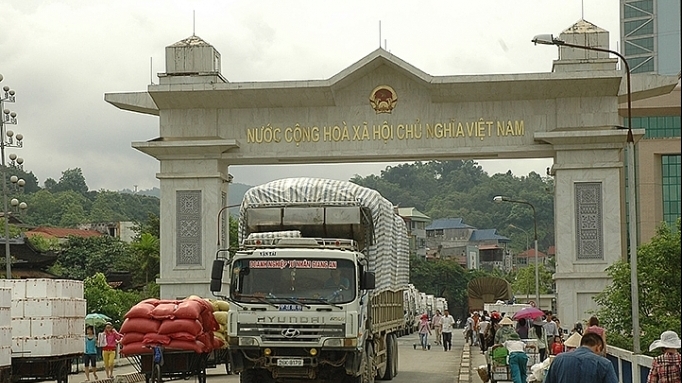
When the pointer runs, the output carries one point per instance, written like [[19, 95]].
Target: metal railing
[[630, 367]]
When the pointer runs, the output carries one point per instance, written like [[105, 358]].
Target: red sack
[[141, 325], [183, 336], [140, 310], [164, 311], [189, 309], [184, 345], [156, 339], [135, 349], [209, 322], [171, 326], [132, 337], [207, 339]]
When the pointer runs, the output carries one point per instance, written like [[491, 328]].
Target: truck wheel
[[387, 373], [370, 372], [394, 366]]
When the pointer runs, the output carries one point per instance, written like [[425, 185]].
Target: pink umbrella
[[528, 313]]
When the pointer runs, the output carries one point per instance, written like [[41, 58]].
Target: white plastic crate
[[5, 316], [5, 356], [49, 327], [18, 287], [45, 307], [5, 336], [5, 297], [21, 327], [41, 288], [17, 309], [65, 288], [76, 326], [47, 346]]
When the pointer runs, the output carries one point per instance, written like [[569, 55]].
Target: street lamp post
[[548, 39], [500, 199], [8, 139]]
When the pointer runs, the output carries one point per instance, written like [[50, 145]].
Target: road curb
[[465, 365]]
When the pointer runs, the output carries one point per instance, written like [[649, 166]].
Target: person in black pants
[[448, 323]]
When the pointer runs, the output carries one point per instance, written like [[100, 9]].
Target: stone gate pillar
[[192, 194], [588, 227]]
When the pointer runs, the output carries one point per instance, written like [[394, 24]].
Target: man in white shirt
[[483, 324], [437, 325], [551, 330], [448, 323]]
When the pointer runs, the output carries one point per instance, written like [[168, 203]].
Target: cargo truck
[[316, 289]]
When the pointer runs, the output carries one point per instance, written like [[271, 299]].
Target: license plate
[[290, 308], [289, 362]]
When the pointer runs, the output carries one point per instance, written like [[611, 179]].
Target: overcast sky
[[62, 56]]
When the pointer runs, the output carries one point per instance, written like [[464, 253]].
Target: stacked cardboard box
[[47, 316], [5, 328]]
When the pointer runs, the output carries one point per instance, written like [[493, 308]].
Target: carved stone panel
[[188, 230], [589, 228]]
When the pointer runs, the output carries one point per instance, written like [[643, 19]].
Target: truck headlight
[[248, 341], [341, 342]]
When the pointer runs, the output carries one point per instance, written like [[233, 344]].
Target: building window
[[670, 171], [658, 127]]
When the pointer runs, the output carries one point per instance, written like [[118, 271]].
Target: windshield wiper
[[295, 301], [323, 300], [257, 297]]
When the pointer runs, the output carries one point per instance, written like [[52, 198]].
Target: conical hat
[[573, 340]]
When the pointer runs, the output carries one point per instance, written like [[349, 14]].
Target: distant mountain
[[235, 195]]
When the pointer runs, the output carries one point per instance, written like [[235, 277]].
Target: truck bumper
[[297, 363]]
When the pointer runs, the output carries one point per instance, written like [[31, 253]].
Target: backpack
[[499, 356]]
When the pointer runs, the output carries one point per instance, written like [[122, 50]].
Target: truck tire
[[395, 355], [388, 370]]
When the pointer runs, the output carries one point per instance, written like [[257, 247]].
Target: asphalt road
[[415, 365]]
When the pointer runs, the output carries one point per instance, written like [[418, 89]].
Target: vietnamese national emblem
[[383, 99]]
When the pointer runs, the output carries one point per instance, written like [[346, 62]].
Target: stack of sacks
[[186, 324], [220, 309]]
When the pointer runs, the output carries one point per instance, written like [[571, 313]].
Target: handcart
[[177, 364], [43, 368], [498, 369], [219, 356]]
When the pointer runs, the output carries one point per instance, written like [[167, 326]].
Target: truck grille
[[290, 332]]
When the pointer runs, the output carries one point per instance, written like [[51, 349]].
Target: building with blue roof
[[451, 238]]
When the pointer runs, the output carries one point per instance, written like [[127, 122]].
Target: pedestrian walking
[[572, 342], [537, 331], [551, 329], [468, 330], [522, 328], [506, 331], [557, 346], [108, 341], [90, 353], [665, 368], [437, 324], [482, 328], [424, 331], [518, 360], [448, 325], [583, 365], [593, 326]]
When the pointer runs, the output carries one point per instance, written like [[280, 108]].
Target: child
[[557, 346]]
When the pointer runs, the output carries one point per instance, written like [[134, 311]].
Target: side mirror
[[368, 281], [217, 275]]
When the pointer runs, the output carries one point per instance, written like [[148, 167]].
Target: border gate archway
[[382, 109]]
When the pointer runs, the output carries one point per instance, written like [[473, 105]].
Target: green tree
[[84, 257], [442, 278], [148, 255], [72, 179], [660, 292], [103, 299], [523, 283]]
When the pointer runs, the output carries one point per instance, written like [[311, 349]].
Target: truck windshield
[[306, 281]]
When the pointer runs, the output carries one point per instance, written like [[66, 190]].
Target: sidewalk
[[471, 359]]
